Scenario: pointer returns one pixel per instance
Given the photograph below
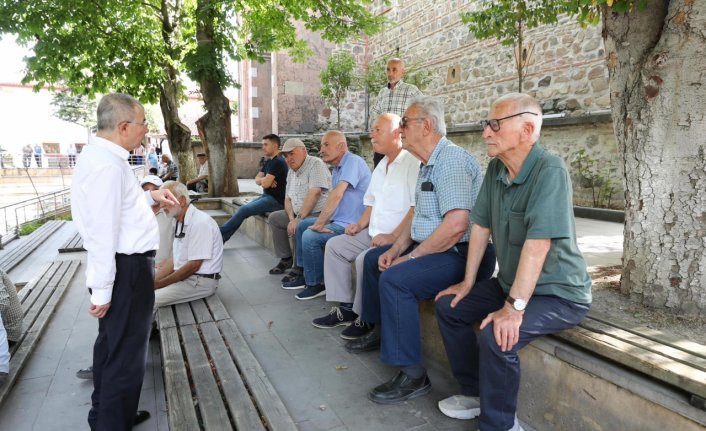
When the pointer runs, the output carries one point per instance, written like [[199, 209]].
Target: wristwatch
[[518, 304]]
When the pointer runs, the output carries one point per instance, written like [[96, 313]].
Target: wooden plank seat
[[39, 299], [662, 356], [212, 379], [73, 244], [26, 245]]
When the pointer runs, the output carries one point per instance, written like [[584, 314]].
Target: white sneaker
[[460, 407], [516, 426]]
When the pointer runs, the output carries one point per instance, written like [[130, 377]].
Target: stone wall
[[567, 72], [299, 105], [247, 157], [564, 137]]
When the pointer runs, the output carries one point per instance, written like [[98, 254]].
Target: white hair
[[178, 189], [432, 107]]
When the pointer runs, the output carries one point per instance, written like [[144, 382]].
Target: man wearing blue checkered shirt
[[429, 254]]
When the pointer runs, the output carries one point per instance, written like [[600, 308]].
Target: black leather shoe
[[86, 373], [400, 388], [366, 343], [141, 416]]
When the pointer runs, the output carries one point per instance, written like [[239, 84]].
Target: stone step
[[219, 215]]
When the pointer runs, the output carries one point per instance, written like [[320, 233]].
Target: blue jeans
[[263, 204], [310, 249], [391, 297], [478, 364]]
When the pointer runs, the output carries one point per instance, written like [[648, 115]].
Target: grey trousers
[[340, 253], [192, 288], [278, 221]]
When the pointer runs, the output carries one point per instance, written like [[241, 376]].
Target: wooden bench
[[26, 245], [39, 299], [212, 379], [659, 355], [73, 244]]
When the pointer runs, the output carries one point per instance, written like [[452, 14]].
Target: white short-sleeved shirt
[[391, 192], [203, 169], [202, 241]]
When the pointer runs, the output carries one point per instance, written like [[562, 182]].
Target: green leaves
[[337, 79]]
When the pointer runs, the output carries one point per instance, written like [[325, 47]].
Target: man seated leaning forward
[[197, 259]]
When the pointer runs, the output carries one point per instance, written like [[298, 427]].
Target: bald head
[[333, 147], [395, 70], [385, 135]]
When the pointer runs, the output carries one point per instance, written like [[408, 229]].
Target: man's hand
[[460, 290], [318, 227], [383, 239], [164, 196], [506, 326], [292, 227], [353, 229], [98, 311], [385, 260]]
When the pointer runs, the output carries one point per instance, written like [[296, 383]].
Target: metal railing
[[14, 216]]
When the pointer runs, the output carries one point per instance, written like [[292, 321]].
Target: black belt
[[150, 253], [212, 276]]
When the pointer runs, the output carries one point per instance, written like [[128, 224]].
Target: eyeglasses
[[404, 122], [139, 123], [494, 123]]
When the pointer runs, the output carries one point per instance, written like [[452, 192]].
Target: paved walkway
[[322, 386]]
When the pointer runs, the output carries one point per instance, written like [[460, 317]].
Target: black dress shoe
[[366, 343], [400, 388], [141, 416], [86, 373]]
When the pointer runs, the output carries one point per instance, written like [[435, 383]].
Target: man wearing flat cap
[[308, 185]]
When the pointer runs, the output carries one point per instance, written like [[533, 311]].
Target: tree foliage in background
[[142, 48], [337, 79], [77, 109]]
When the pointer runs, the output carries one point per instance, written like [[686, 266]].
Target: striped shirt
[[312, 173]]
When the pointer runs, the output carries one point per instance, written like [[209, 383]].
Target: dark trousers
[[391, 298], [120, 350], [478, 364]]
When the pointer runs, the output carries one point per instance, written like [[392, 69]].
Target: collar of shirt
[[343, 161], [305, 165], [527, 166], [110, 146], [391, 86], [189, 215], [443, 142]]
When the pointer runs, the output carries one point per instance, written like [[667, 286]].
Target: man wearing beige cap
[[308, 185], [273, 180]]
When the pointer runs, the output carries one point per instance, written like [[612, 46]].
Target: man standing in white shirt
[[197, 253], [389, 198], [119, 231]]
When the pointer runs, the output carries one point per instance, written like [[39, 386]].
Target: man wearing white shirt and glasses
[[114, 218]]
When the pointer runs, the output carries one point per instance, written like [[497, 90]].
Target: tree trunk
[[222, 178], [656, 61], [178, 134]]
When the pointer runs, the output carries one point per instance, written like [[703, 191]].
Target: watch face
[[519, 304]]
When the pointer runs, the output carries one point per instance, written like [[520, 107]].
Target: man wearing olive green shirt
[[542, 285]]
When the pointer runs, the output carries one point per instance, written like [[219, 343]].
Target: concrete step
[[219, 215]]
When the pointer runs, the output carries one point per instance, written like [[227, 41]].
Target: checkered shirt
[[455, 177], [312, 173], [393, 101]]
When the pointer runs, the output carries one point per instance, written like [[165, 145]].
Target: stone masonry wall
[[567, 73]]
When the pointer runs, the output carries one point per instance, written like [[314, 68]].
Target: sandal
[[283, 265]]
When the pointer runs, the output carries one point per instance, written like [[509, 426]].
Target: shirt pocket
[[517, 229]]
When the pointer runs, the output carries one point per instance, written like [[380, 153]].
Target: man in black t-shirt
[[273, 179]]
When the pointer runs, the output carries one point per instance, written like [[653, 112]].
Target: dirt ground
[[608, 300]]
